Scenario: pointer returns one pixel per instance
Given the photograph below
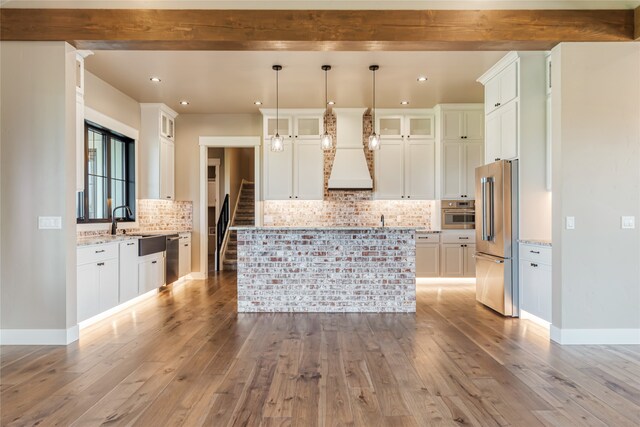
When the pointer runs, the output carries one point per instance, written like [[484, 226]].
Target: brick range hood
[[349, 171]]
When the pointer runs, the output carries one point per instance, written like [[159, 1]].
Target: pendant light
[[277, 142], [374, 139], [326, 140]]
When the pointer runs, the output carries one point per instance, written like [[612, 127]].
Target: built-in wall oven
[[458, 214]]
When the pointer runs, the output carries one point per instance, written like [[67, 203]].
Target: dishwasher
[[171, 258]]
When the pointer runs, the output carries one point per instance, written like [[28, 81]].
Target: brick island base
[[326, 269]]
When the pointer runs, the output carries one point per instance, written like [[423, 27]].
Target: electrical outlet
[[571, 222], [49, 222], [628, 222]]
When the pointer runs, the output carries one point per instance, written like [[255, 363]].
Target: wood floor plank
[[186, 357]]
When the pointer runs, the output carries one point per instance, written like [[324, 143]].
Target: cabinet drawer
[[97, 253], [535, 254], [427, 238], [462, 238]]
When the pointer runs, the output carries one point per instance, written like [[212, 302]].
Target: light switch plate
[[571, 222], [50, 222], [628, 222]]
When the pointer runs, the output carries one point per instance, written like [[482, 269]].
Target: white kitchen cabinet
[[167, 124], [128, 270], [397, 124], [420, 126], [151, 272], [308, 127], [389, 164], [297, 172], [462, 124], [80, 143], [536, 280], [427, 254], [405, 169], [156, 152], [390, 126], [97, 279], [167, 169], [457, 260], [452, 259], [459, 161], [502, 88], [184, 255], [278, 172], [502, 133], [419, 168], [88, 291]]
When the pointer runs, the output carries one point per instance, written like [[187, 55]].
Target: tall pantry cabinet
[[157, 152]]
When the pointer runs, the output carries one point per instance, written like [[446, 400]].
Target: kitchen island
[[324, 269]]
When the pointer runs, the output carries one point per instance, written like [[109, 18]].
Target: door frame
[[206, 142]]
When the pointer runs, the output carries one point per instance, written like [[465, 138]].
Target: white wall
[[189, 128], [38, 277], [596, 178], [101, 96]]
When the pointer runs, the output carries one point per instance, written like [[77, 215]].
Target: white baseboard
[[595, 336], [39, 336], [535, 319], [196, 276]]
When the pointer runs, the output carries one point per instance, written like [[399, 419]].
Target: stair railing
[[221, 229]]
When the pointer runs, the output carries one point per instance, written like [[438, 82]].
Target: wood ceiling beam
[[637, 23], [156, 29]]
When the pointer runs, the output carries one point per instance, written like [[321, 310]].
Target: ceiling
[[230, 82], [324, 4]]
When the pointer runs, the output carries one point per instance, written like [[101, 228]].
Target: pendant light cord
[[326, 100], [373, 117], [277, 103]]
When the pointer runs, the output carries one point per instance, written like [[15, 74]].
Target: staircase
[[244, 216]]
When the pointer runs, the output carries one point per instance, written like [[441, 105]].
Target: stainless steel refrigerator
[[497, 236]]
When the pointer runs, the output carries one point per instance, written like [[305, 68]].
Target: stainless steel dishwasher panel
[[171, 260]]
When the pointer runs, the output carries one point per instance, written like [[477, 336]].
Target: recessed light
[[331, 103], [184, 102], [404, 102], [422, 79], [155, 79], [258, 103]]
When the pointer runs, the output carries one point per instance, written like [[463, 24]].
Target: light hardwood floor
[[186, 357]]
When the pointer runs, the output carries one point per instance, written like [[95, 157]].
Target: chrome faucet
[[114, 225], [381, 220]]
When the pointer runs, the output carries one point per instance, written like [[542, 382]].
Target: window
[[109, 179]]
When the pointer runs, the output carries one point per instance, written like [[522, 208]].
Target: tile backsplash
[[348, 211], [156, 215]]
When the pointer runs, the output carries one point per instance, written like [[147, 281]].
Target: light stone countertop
[[537, 242], [102, 239], [108, 238], [328, 228]]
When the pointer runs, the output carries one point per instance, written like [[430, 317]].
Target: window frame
[[110, 133]]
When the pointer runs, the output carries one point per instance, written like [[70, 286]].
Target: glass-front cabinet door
[[282, 126], [389, 127], [308, 127], [420, 126]]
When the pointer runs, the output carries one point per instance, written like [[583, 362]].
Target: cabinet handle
[[100, 251], [535, 252], [497, 159], [463, 238], [154, 262], [100, 264], [534, 265], [129, 244], [186, 244]]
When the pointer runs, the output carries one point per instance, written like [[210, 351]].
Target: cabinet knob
[[186, 244], [534, 265], [290, 197], [154, 262], [100, 264], [408, 197], [168, 197]]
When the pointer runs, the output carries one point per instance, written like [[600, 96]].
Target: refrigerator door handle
[[490, 205], [483, 186], [488, 258]]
